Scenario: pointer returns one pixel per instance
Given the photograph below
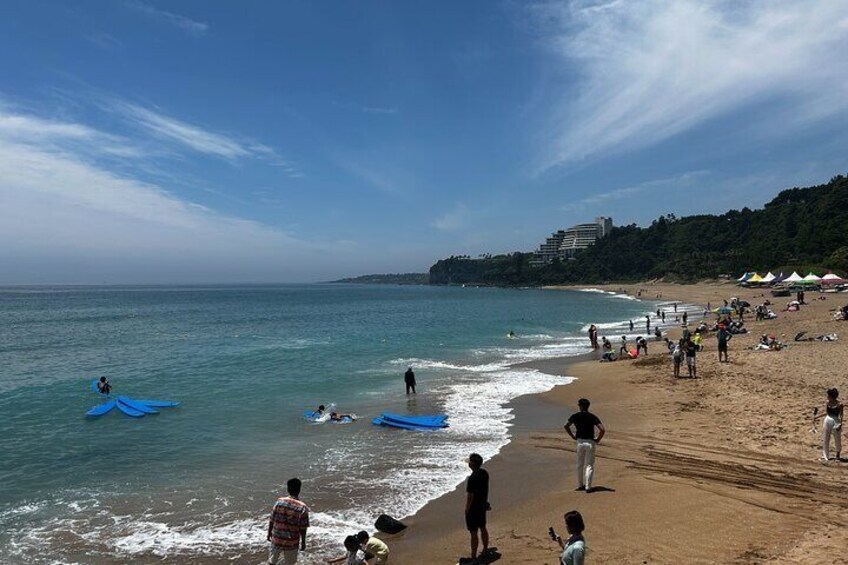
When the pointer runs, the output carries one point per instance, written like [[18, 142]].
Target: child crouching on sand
[[354, 555]]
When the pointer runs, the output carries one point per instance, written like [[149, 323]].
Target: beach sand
[[722, 469]]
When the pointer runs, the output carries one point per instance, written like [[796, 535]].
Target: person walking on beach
[[677, 358], [723, 336], [409, 379], [287, 526], [685, 317], [373, 546], [476, 505], [623, 350], [584, 423], [691, 349], [574, 549], [832, 424]]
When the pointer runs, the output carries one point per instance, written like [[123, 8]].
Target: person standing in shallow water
[[584, 424], [409, 379], [287, 526], [593, 336]]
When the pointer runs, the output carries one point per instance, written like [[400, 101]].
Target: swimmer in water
[[336, 417], [103, 386]]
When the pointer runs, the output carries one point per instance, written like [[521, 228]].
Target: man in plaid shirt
[[287, 527]]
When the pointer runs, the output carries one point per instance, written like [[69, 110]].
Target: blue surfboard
[[101, 409], [136, 405], [158, 403], [401, 425], [435, 421], [129, 411]]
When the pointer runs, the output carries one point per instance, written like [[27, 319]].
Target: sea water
[[196, 482]]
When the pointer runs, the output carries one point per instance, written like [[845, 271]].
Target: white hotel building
[[563, 244]]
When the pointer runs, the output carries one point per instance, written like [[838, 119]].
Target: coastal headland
[[721, 469]]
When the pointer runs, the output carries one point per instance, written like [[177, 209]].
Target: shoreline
[[684, 462]]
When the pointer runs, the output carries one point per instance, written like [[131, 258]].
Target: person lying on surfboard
[[336, 417]]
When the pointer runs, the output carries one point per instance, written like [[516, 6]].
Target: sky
[[187, 141]]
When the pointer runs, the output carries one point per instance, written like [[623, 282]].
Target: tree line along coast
[[800, 229]]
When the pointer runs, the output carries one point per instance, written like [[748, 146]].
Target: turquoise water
[[197, 481]]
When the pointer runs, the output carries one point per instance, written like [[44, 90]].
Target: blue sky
[[147, 141]]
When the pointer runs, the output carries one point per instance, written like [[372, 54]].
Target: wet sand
[[722, 469]]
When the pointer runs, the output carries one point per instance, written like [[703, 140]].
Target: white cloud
[[198, 139], [646, 71], [187, 24], [65, 217], [181, 132], [675, 184], [452, 220]]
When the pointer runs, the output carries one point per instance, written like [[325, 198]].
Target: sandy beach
[[722, 469]]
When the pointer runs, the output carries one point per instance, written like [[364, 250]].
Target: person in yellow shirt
[[373, 546]]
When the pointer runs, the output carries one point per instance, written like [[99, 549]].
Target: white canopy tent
[[811, 277], [830, 278], [768, 278], [794, 277]]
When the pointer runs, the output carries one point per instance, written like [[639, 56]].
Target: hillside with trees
[[800, 229]]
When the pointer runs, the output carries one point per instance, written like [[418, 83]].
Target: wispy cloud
[[189, 25], [675, 184], [181, 132], [649, 70], [453, 219], [390, 111], [59, 204], [199, 139]]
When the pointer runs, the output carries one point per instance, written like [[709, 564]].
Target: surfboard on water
[[402, 425], [434, 421], [159, 403], [101, 409], [129, 411], [136, 405]]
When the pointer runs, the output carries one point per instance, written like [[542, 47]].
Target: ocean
[[195, 483]]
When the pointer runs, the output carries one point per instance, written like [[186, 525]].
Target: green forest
[[800, 229]]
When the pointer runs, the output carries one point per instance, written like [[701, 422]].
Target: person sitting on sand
[[574, 549], [103, 386], [607, 346], [657, 333], [354, 555], [608, 357], [832, 425]]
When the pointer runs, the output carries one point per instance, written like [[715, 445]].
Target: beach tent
[[794, 277], [812, 278], [779, 278], [744, 277], [769, 278], [830, 278], [754, 279]]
